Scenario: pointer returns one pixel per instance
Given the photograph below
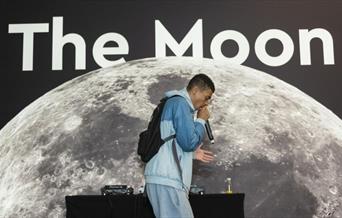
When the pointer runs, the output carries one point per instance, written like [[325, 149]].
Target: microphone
[[209, 132]]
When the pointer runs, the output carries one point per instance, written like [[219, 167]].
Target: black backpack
[[150, 139]]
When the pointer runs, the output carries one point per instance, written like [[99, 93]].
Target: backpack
[[150, 139]]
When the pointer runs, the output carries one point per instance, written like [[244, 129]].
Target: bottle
[[229, 190]]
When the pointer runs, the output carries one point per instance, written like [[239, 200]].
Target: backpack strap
[[175, 156], [174, 150], [169, 138]]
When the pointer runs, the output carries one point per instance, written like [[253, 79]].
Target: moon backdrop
[[281, 148]]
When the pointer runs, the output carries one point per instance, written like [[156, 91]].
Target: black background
[[135, 21]]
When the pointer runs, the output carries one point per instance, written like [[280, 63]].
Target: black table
[[138, 206]]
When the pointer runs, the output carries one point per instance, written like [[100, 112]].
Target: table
[[138, 206]]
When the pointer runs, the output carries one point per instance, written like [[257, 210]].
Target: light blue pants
[[168, 202]]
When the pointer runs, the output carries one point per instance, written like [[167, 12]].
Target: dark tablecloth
[[138, 206]]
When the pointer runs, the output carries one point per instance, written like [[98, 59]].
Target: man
[[168, 186]]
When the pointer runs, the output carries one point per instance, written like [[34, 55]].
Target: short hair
[[202, 81]]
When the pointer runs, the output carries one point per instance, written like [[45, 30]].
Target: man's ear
[[194, 89]]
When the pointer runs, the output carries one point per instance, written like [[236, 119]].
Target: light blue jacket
[[177, 119]]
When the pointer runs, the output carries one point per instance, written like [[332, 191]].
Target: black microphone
[[209, 132]]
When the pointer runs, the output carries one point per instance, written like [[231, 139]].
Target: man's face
[[200, 98]]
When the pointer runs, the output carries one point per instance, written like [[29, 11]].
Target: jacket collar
[[184, 93]]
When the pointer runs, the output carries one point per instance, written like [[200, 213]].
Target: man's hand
[[203, 113], [203, 155]]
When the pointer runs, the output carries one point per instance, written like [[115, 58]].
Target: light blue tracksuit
[[166, 190]]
